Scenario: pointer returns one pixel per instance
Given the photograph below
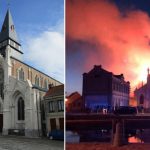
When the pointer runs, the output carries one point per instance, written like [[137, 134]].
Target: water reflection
[[141, 136], [135, 139], [132, 136]]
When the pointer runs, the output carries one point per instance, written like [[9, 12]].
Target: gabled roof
[[8, 29], [98, 69], [74, 97], [55, 91]]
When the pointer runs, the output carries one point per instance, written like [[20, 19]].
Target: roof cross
[[8, 3]]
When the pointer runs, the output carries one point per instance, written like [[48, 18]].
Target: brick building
[[74, 103], [54, 108], [102, 88]]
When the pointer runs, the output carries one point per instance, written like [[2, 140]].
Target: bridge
[[101, 121], [117, 123]]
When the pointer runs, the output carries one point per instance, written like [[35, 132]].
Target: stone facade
[[22, 87], [104, 89]]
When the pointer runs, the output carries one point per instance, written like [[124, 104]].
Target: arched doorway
[[18, 111], [141, 102]]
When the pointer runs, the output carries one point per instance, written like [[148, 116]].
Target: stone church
[[142, 94], [22, 87]]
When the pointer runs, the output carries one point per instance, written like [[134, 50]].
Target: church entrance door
[[1, 122]]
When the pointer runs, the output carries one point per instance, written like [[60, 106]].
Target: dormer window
[[12, 27]]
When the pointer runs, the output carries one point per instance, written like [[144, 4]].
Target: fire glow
[[122, 39]]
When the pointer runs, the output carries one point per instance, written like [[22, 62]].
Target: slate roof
[[8, 29]]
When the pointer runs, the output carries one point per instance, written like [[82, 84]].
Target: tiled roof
[[74, 97], [55, 91]]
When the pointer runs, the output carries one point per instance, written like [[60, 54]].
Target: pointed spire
[[8, 29]]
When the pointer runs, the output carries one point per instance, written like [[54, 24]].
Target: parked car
[[124, 110], [140, 109], [56, 135]]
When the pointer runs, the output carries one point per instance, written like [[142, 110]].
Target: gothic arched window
[[21, 74], [37, 81], [45, 84], [41, 81], [20, 109]]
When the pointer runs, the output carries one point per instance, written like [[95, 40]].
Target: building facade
[[142, 94], [22, 87], [74, 103], [102, 88], [54, 108]]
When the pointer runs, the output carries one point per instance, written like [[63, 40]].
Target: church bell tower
[[9, 38]]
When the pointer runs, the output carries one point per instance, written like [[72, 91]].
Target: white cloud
[[46, 53]]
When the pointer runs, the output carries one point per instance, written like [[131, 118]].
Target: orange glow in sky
[[122, 43]]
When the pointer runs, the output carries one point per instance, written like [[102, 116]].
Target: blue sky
[[39, 25]]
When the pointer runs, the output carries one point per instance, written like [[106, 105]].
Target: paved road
[[22, 143]]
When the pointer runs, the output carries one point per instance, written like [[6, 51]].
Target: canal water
[[136, 136], [141, 136]]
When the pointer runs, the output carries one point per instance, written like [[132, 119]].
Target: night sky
[[111, 33]]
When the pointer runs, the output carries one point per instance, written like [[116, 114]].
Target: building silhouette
[[142, 94], [102, 88]]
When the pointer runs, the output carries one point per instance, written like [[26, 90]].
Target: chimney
[[97, 66], [50, 85]]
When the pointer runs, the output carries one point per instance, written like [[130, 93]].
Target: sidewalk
[[23, 143]]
